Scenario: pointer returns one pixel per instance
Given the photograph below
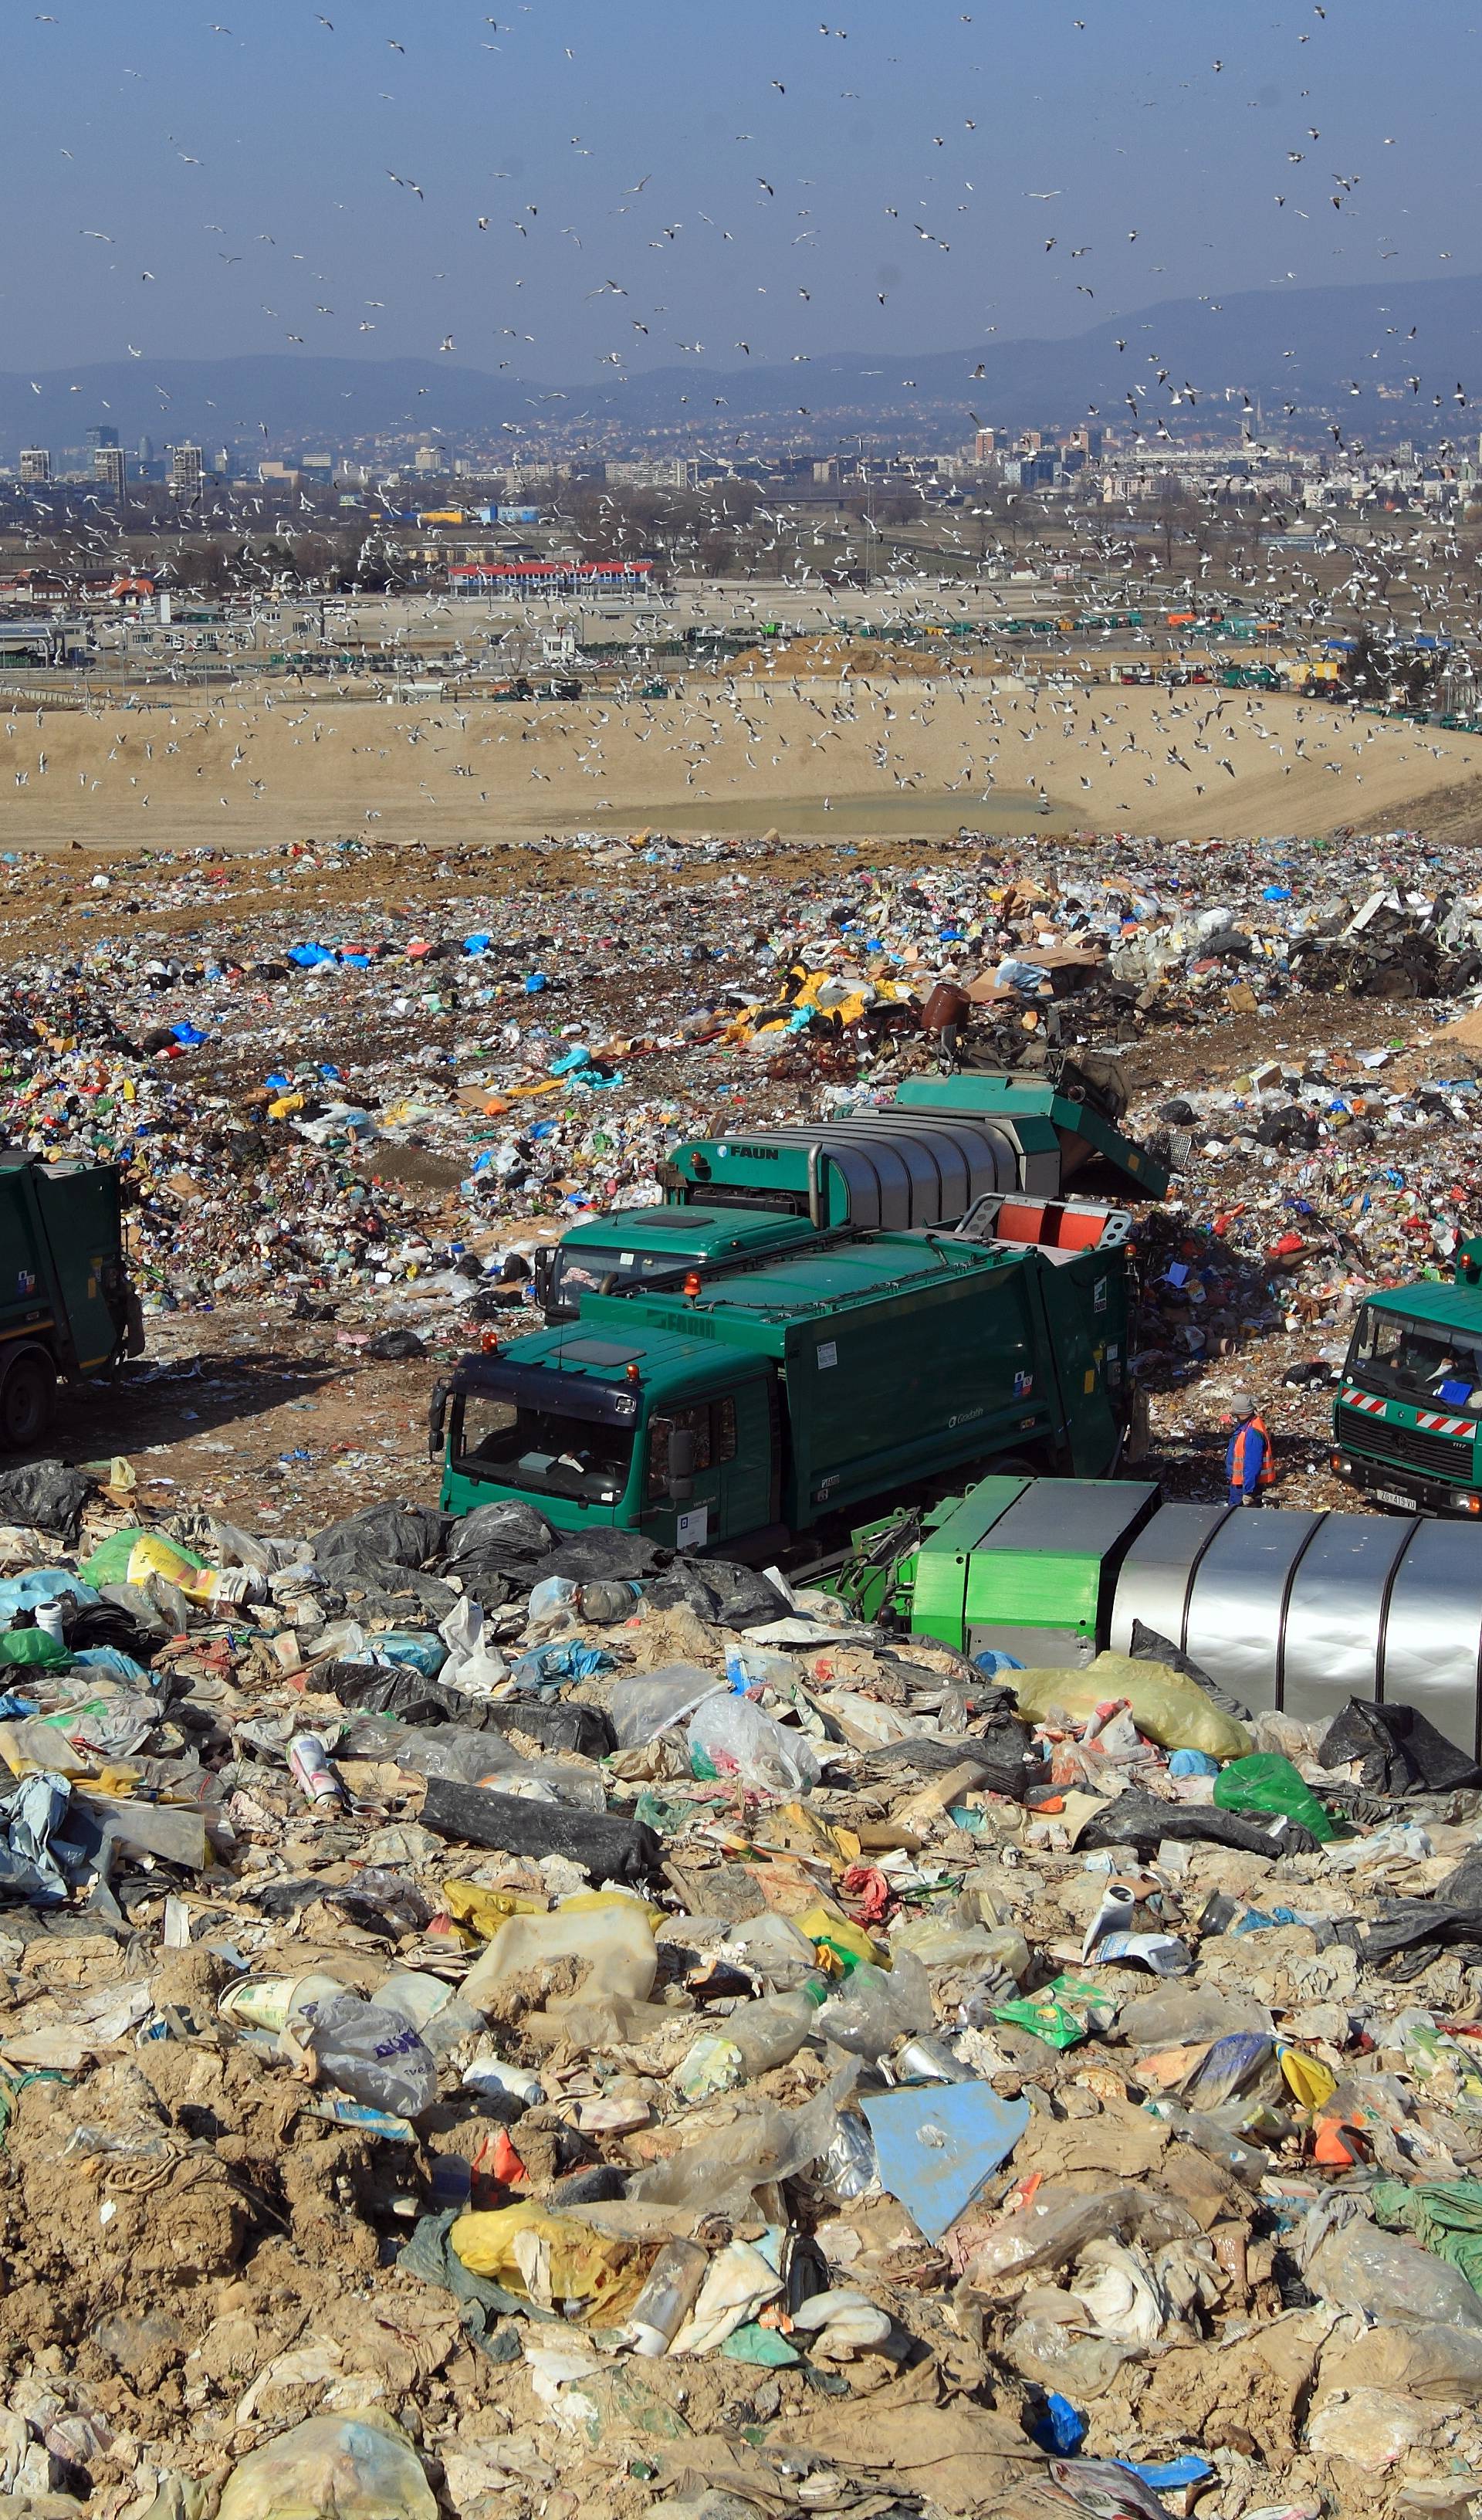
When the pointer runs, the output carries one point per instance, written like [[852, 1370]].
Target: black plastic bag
[[507, 1537], [1137, 1820], [108, 1623], [405, 1535], [46, 1496], [395, 1347], [722, 1594], [1402, 1752], [597, 1556]]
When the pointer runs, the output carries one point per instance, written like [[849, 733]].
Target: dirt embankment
[[744, 752]]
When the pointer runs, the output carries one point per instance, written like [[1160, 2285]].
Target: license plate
[[1392, 1496]]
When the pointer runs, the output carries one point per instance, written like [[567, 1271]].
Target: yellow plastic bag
[[1167, 1708], [552, 2258], [1307, 2078], [469, 1902], [836, 1933]]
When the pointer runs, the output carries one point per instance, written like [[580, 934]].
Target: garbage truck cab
[[645, 1246], [1408, 1417]]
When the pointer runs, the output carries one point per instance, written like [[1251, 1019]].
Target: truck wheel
[[27, 1398], [1012, 1465]]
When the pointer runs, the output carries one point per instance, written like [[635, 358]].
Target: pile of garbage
[[496, 2016], [280, 1137]]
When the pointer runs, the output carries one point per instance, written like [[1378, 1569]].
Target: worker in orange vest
[[1249, 1466]]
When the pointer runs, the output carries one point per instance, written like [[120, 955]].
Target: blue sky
[[719, 176]]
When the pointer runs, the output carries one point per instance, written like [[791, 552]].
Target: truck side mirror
[[438, 1419], [681, 1480], [544, 1258]]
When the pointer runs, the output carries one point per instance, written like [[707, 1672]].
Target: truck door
[[733, 1483]]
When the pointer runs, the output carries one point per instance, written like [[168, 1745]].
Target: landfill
[[500, 2023]]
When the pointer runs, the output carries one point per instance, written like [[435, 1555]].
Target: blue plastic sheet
[[937, 2145], [557, 1664], [40, 1583]]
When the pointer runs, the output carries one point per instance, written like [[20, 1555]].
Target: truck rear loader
[[922, 1159], [1296, 1612]]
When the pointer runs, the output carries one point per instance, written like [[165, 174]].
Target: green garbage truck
[[1408, 1417], [922, 1159], [67, 1304], [743, 1411]]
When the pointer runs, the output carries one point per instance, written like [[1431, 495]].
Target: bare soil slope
[[745, 752]]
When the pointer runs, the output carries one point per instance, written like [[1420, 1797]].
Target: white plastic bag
[[734, 1737], [647, 1702]]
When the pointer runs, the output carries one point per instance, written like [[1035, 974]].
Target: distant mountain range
[[1306, 347]]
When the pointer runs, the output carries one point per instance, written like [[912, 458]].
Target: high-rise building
[[186, 473], [984, 444], [36, 463], [100, 437], [110, 470], [145, 450], [430, 459]]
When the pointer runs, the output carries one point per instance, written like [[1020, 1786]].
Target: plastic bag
[[1268, 1782], [875, 2008], [1061, 2013], [753, 1667], [551, 2257], [1040, 2236], [613, 1936], [1392, 2280], [732, 1736], [1167, 1707], [374, 2054], [1232, 2065], [553, 1605], [938, 1943], [1185, 2016], [468, 1758], [334, 2467], [717, 2173], [647, 1702]]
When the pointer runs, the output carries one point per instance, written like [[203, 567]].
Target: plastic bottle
[[674, 2280], [756, 2038], [767, 2032], [1246, 2161], [875, 2008]]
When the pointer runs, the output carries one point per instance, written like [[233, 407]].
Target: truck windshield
[[589, 1270], [1420, 1360], [542, 1449]]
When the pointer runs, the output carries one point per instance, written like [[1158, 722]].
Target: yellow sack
[[552, 2258], [1166, 1707]]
